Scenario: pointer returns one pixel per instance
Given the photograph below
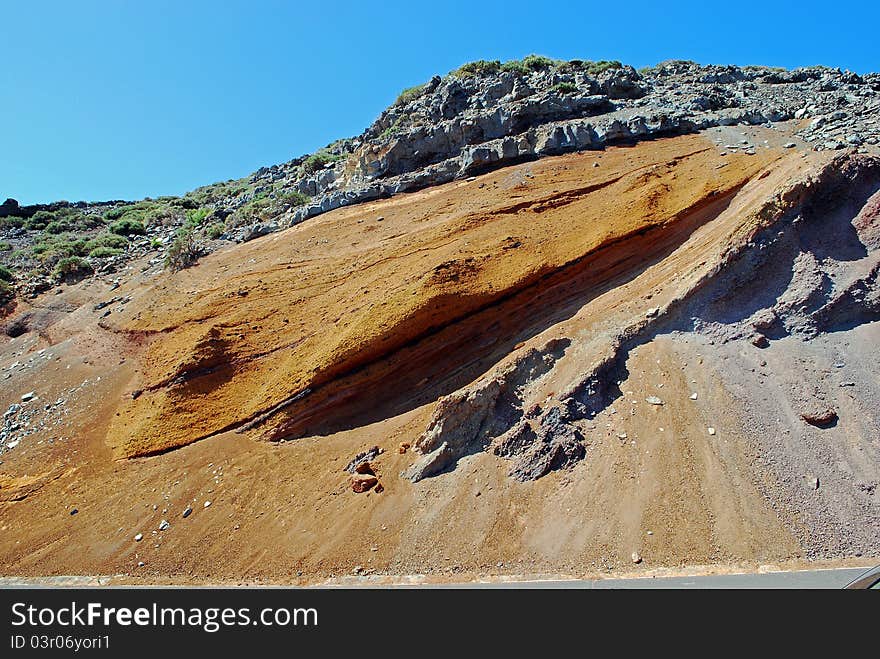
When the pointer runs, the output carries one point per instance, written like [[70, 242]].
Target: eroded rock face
[[465, 422], [556, 444], [811, 249], [293, 347]]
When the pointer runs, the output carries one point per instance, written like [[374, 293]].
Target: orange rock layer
[[370, 310]]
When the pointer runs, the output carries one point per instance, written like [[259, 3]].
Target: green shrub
[[317, 161], [183, 252], [409, 94], [565, 88], [72, 268], [538, 62], [515, 66], [478, 68], [128, 227], [57, 226], [399, 124], [109, 240], [39, 220], [6, 274], [292, 199], [254, 209], [187, 202], [7, 293], [158, 215], [84, 222], [5, 247], [196, 216], [215, 230], [50, 249], [595, 68], [11, 222], [147, 212], [104, 252], [592, 68], [116, 212]]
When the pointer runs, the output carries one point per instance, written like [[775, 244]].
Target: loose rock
[[361, 484]]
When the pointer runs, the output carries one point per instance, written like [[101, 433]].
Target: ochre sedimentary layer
[[366, 306]]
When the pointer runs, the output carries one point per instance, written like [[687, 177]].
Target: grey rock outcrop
[[556, 444], [458, 127]]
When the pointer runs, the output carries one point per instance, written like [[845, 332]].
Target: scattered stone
[[711, 430], [867, 488], [813, 482], [207, 503], [403, 447], [694, 396], [363, 456], [28, 396], [362, 483], [141, 563], [760, 341], [789, 145], [365, 468], [653, 400], [187, 512], [139, 537], [74, 511], [636, 557], [652, 312], [820, 417], [163, 525], [379, 488]]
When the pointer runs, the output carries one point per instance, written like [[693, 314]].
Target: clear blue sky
[[126, 99]]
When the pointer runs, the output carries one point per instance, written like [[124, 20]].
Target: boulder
[[363, 483]]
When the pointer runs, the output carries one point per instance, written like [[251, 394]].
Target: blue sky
[[125, 99]]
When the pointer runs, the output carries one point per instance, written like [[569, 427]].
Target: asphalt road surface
[[836, 578]]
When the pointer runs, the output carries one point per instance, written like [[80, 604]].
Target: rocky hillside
[[540, 318], [480, 116]]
